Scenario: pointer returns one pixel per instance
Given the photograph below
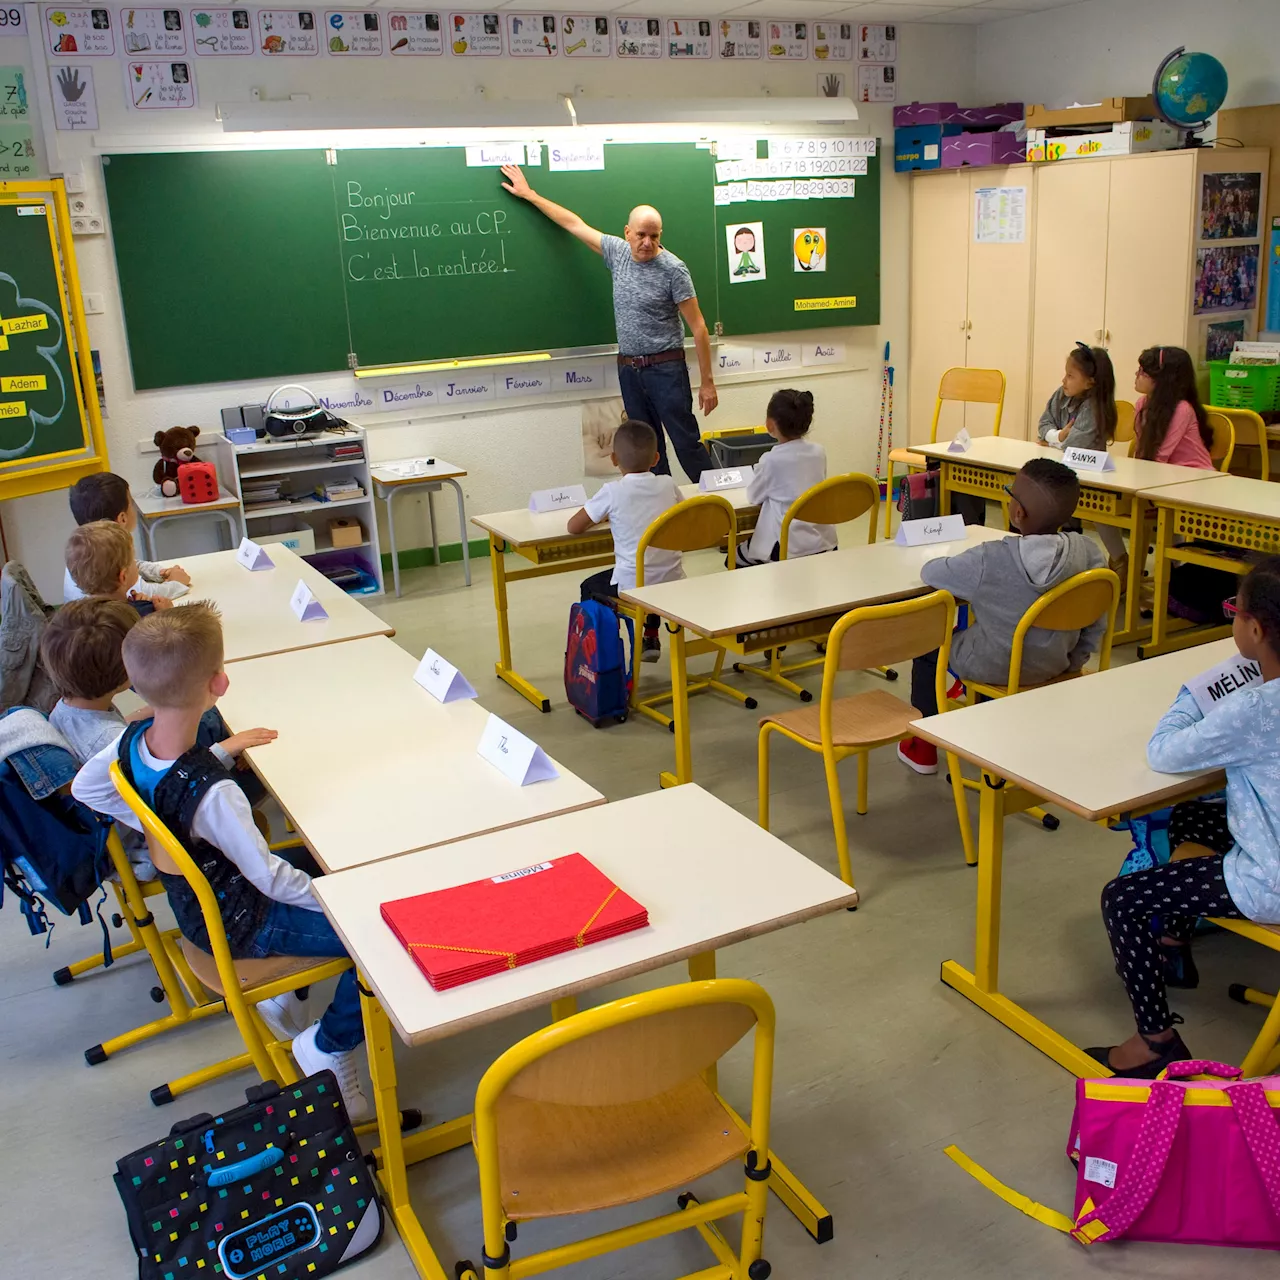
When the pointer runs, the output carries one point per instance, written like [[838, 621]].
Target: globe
[[1189, 88]]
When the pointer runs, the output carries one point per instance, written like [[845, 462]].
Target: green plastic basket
[[1245, 386]]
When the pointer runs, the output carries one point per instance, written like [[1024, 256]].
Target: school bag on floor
[[278, 1188], [599, 664], [1180, 1160]]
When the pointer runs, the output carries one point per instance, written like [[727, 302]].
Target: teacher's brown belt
[[659, 357]]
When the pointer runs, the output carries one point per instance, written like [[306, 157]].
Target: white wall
[[1106, 48], [508, 452]]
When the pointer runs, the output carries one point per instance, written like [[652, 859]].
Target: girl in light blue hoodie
[[1240, 878]]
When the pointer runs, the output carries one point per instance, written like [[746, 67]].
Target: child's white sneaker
[[285, 1015], [343, 1065]]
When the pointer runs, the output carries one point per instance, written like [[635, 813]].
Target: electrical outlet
[[89, 224], [94, 304], [80, 204]]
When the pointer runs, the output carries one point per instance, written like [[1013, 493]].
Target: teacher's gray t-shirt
[[646, 298]]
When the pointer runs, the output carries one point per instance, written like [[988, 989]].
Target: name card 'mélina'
[[304, 604], [1221, 681], [253, 556], [519, 758], [725, 478], [919, 533], [1089, 460], [441, 679], [567, 495]]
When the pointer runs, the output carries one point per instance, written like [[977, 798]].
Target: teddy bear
[[177, 445]]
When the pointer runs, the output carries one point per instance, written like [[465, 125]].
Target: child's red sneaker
[[919, 755]]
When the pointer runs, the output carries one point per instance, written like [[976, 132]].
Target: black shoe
[[1170, 1051], [1179, 966], [650, 649]]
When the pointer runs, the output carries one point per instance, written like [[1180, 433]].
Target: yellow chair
[[1224, 439], [966, 386], [617, 1104], [695, 524], [841, 727], [240, 983], [1072, 605], [837, 500], [1250, 434], [1125, 433]]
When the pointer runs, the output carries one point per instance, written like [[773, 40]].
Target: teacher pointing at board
[[652, 290]]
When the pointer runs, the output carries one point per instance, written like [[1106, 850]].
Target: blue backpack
[[598, 667]]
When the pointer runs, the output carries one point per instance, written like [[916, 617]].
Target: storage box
[[920, 147], [1245, 386], [1129, 138], [300, 539], [1108, 111], [1002, 147], [987, 117], [346, 533], [914, 113]]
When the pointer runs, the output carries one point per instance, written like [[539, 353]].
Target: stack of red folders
[[473, 930]]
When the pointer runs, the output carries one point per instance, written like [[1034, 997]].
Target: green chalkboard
[[229, 265], [850, 265], [439, 261], [40, 411]]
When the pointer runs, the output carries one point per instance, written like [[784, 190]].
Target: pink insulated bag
[[1179, 1160]]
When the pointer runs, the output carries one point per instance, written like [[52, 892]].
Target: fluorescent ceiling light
[[756, 112]]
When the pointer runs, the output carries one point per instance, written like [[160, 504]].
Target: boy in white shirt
[[104, 496], [174, 659], [793, 465], [631, 505]]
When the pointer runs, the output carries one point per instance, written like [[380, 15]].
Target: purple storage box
[[982, 148], [988, 117], [923, 113]]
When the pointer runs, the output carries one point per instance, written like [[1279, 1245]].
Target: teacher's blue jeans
[[295, 931], [661, 395]]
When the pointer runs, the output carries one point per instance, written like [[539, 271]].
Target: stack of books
[[347, 449], [265, 492], [479, 929], [338, 490]]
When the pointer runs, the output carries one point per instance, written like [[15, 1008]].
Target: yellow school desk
[[1094, 764], [1106, 497], [368, 764], [707, 876], [747, 611], [256, 617], [406, 475], [543, 539], [1233, 511]]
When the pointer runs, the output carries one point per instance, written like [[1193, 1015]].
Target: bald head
[[643, 232]]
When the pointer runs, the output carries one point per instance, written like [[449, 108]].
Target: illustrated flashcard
[[877, 44], [74, 104], [833, 41], [222, 33], [833, 84], [532, 35], [160, 86], [809, 248], [17, 152], [878, 83], [740, 39], [79, 31], [357, 33], [746, 251], [475, 35], [585, 35], [415, 34], [638, 37], [15, 101], [688, 38], [153, 31], [288, 33], [788, 41]]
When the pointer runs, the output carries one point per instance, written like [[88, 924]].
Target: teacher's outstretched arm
[[518, 185], [707, 397]]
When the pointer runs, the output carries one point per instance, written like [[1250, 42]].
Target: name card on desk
[[518, 757], [568, 495], [960, 442], [1223, 680], [725, 478], [441, 679], [304, 604], [1088, 460], [919, 533], [253, 556]]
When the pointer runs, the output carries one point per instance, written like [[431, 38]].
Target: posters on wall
[[532, 35], [75, 105], [415, 34], [222, 33], [688, 38], [877, 84], [745, 241], [877, 44], [585, 36], [79, 31], [1000, 215], [475, 35], [637, 37], [809, 249], [159, 86], [17, 138], [1226, 278], [832, 41], [1221, 337], [354, 34], [288, 33], [1230, 206], [788, 41], [1273, 290], [153, 31], [740, 38]]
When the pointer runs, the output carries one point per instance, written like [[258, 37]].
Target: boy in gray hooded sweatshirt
[[1002, 580]]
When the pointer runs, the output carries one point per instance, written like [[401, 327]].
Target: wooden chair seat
[[556, 1159], [908, 458], [252, 973], [857, 721]]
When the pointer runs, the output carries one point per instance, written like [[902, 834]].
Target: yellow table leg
[[679, 711], [503, 667], [564, 1008], [1160, 601], [391, 1169]]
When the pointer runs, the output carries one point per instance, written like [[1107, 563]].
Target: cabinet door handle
[[1097, 333], [963, 325]]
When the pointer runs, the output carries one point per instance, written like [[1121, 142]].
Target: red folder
[[473, 930]]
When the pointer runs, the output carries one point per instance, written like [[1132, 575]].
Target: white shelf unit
[[299, 466]]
